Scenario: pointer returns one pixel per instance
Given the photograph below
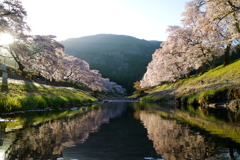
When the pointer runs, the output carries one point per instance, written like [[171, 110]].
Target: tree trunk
[[236, 22], [210, 64], [202, 69], [16, 58], [226, 60], [20, 66]]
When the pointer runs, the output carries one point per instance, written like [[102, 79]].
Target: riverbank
[[219, 87], [30, 96]]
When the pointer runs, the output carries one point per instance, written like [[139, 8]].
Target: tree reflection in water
[[48, 140], [171, 139], [177, 141]]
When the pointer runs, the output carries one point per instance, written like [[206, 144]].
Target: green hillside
[[220, 85], [121, 58]]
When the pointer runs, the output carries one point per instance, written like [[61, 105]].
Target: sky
[[143, 19]]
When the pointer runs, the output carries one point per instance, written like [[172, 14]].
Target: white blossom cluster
[[210, 29], [43, 54], [52, 63]]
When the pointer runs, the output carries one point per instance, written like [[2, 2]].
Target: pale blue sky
[[144, 19]]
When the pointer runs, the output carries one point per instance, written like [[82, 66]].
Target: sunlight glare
[[2, 155], [5, 39]]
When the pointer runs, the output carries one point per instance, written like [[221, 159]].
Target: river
[[120, 131]]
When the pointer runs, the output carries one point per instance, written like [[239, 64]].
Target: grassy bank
[[18, 97], [219, 85]]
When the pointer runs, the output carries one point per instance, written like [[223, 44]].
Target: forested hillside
[[121, 58]]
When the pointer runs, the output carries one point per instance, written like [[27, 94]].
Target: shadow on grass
[[4, 87], [160, 96], [31, 87], [31, 96]]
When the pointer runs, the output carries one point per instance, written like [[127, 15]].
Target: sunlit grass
[[149, 97], [217, 75], [29, 96], [215, 80]]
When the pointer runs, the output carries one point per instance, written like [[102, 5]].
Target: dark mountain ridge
[[121, 58]]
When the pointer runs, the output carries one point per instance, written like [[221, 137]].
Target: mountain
[[122, 59]]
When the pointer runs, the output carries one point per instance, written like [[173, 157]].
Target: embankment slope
[[217, 87]]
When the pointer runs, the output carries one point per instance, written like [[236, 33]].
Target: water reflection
[[129, 131], [124, 138], [225, 127], [177, 141], [47, 140]]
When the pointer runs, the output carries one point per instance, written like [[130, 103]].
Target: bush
[[139, 92]]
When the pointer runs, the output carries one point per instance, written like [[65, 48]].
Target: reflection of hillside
[[176, 141], [48, 140], [124, 138]]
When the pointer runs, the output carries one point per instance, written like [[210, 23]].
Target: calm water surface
[[119, 131]]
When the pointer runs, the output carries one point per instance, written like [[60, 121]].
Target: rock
[[233, 105], [75, 109], [212, 105]]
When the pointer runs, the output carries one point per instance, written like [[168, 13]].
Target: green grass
[[215, 80], [203, 96], [219, 74], [30, 96], [148, 98]]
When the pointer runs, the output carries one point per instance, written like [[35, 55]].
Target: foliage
[[200, 87], [123, 59], [53, 64], [148, 98], [137, 85], [45, 55], [203, 97], [138, 92], [12, 17], [207, 34]]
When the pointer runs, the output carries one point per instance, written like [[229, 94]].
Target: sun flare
[[5, 39]]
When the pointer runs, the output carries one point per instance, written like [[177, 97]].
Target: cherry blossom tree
[[12, 19], [44, 54], [12, 22], [181, 53], [216, 20], [77, 70], [226, 14], [210, 29], [45, 48], [227, 11]]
